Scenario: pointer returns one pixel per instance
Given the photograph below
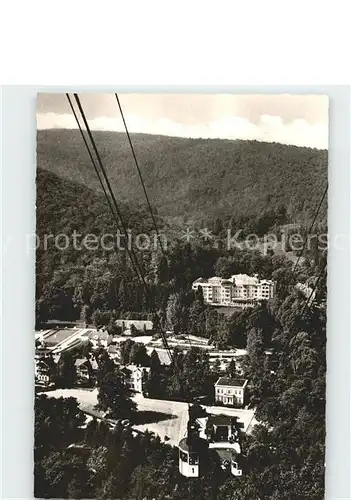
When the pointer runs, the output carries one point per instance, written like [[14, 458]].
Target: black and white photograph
[[181, 296]]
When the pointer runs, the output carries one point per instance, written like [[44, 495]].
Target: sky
[[301, 120]]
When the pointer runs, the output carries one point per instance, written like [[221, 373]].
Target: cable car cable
[[314, 291], [89, 152], [140, 175], [131, 252], [142, 183], [310, 229]]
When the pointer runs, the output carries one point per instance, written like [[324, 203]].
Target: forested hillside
[[196, 179], [70, 275], [74, 281], [261, 185]]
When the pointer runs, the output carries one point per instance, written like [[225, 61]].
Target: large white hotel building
[[240, 290]]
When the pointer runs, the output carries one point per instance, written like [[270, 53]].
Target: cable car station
[[220, 433]]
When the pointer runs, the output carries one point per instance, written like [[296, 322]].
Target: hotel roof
[[232, 382], [237, 279]]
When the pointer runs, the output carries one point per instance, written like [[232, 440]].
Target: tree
[[85, 314], [138, 355], [112, 328], [192, 377], [91, 431], [101, 318], [212, 321], [126, 349], [216, 368], [163, 270], [133, 330], [105, 364], [255, 366], [225, 267], [156, 382], [238, 328], [64, 476], [102, 432], [255, 352], [217, 227], [57, 423], [66, 370], [114, 396], [155, 363], [231, 369], [222, 337], [197, 317], [173, 313]]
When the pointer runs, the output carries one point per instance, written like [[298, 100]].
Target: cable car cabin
[[189, 460], [236, 463], [235, 467], [191, 449], [219, 433]]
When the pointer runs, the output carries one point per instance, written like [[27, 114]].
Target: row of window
[[193, 457], [229, 391], [229, 399]]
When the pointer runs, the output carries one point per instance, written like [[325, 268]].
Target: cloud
[[268, 128], [190, 109]]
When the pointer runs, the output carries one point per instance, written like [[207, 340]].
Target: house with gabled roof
[[84, 371], [45, 371], [135, 376]]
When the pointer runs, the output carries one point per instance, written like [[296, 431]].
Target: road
[[170, 417], [163, 417]]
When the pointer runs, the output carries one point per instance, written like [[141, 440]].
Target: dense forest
[[195, 180], [98, 284]]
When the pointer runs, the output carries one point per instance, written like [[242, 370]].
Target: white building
[[219, 433], [240, 290], [135, 377], [230, 391]]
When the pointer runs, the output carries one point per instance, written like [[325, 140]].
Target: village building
[[98, 338], [221, 434], [141, 326], [135, 377], [45, 371], [114, 351], [84, 372], [230, 391], [163, 355]]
